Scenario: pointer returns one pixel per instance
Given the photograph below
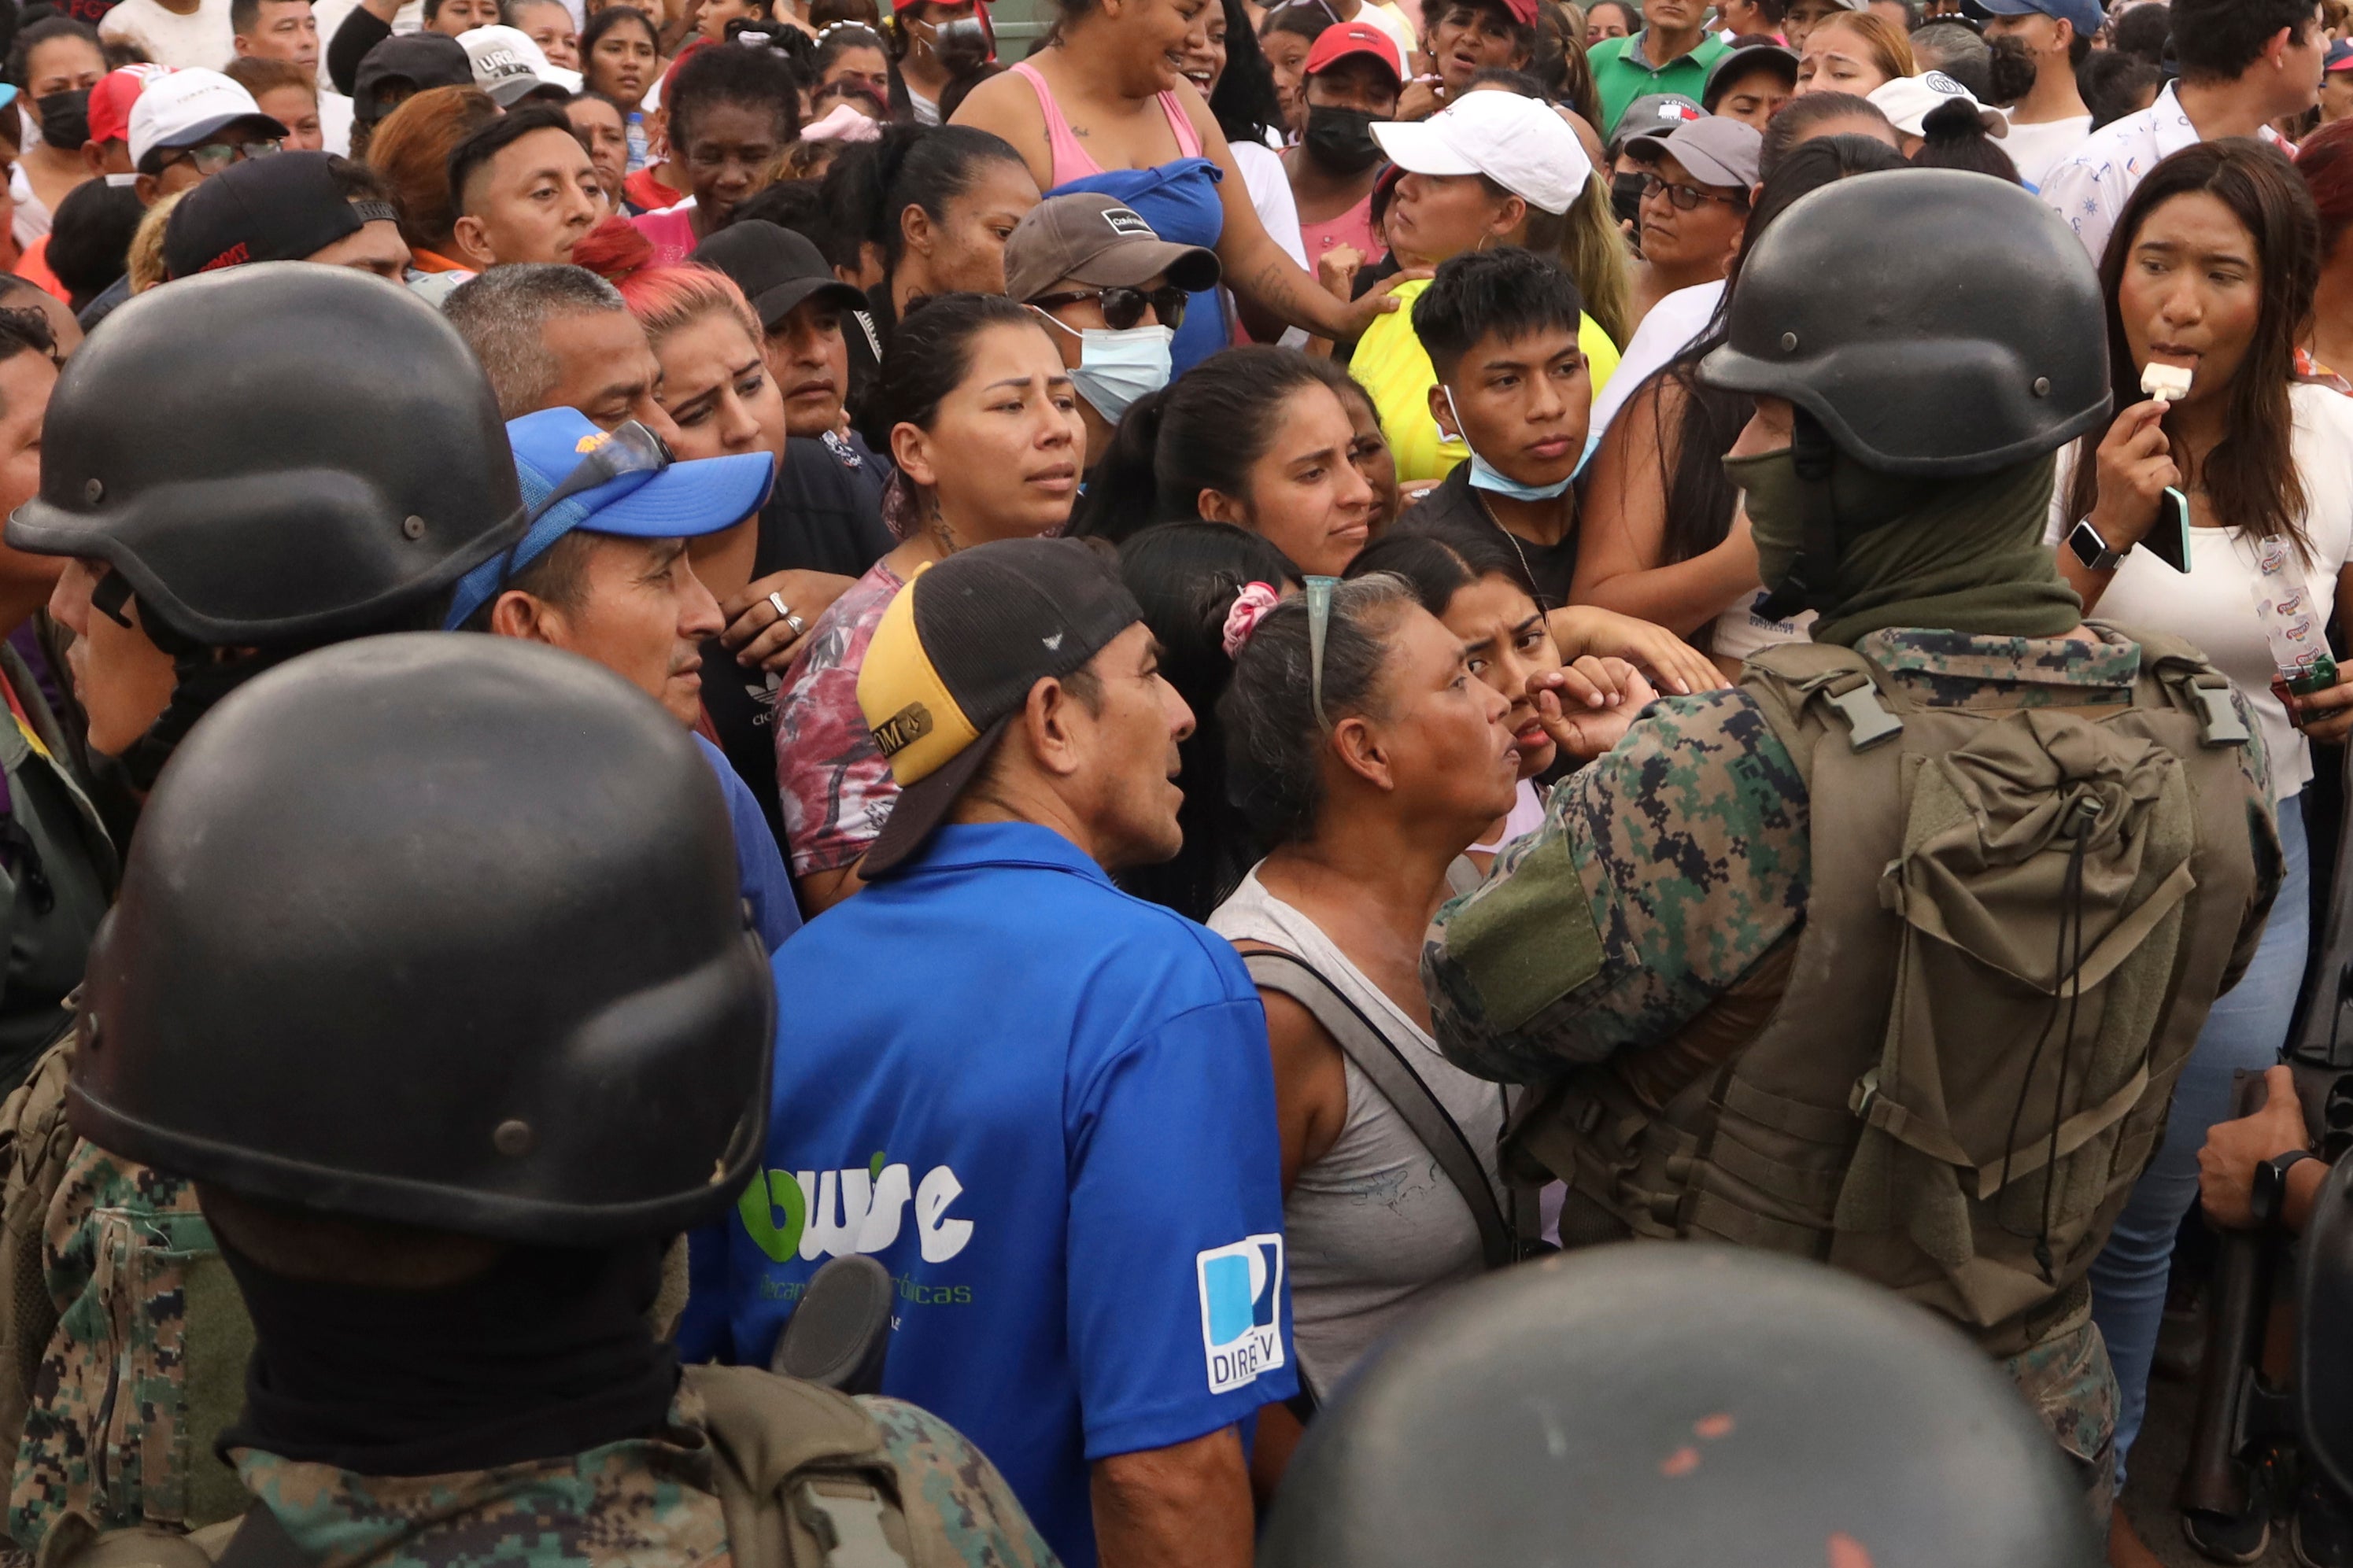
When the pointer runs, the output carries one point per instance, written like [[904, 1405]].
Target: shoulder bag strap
[[1381, 1061]]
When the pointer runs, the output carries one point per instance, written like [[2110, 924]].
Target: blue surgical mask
[[1483, 476], [1116, 368]]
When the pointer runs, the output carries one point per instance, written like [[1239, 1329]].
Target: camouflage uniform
[[1674, 875], [127, 1399], [639, 1501]]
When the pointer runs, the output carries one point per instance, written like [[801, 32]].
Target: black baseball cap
[[1740, 62], [775, 267], [264, 209], [420, 59], [955, 656]]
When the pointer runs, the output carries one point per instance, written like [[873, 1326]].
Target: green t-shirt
[[1621, 75]]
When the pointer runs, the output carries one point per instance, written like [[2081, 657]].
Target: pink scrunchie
[[843, 123], [1251, 606]]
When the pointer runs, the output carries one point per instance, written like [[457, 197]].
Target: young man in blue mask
[[1513, 384], [1113, 291]]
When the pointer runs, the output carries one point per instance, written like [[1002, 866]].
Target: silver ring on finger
[[784, 611], [799, 627]]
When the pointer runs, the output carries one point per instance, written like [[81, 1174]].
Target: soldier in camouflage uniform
[[1889, 956], [217, 524], [430, 971]]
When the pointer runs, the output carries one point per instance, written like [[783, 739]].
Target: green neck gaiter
[[1963, 555]]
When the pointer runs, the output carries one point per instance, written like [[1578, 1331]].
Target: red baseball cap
[[111, 100], [1340, 41]]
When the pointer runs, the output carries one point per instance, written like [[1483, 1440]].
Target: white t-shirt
[[335, 121], [1391, 20], [2213, 608], [32, 219], [2035, 147], [1743, 630], [1666, 331], [201, 41]]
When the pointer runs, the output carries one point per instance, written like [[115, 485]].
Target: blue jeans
[[2245, 1030]]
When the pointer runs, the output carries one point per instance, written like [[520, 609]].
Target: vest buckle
[[1868, 722], [2221, 725]]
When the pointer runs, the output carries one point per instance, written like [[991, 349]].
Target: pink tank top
[[1071, 160]]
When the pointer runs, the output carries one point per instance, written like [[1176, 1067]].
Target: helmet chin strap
[[1807, 586]]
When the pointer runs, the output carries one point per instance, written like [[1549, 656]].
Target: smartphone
[[2168, 538]]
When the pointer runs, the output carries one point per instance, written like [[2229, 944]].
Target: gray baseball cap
[[1097, 239], [1718, 151]]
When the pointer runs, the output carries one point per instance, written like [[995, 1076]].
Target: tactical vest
[[803, 1476], [2019, 917]]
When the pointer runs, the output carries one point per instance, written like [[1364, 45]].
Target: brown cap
[[1097, 239]]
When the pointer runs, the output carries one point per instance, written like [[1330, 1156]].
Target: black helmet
[[440, 931], [1646, 1403], [2325, 1322], [1937, 323], [274, 454]]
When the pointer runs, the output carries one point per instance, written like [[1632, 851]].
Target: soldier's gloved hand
[[2323, 715], [1587, 706], [1676, 666], [2226, 1165]]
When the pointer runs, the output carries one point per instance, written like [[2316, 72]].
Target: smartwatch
[[2091, 549], [2268, 1196]]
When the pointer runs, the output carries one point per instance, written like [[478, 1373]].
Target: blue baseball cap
[[2085, 15], [2339, 57], [674, 501]]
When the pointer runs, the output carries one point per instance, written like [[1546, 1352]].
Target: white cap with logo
[[508, 65], [184, 107], [1515, 141]]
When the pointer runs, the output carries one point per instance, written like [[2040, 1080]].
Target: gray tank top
[[1374, 1228]]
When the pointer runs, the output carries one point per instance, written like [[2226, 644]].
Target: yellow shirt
[[1390, 364]]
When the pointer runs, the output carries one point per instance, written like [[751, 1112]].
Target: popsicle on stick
[[2165, 383]]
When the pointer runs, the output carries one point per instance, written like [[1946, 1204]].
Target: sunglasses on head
[[1123, 308], [629, 448]]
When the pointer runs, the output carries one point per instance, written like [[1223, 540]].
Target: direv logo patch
[[1242, 1310]]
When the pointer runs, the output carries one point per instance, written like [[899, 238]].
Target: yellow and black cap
[[955, 656]]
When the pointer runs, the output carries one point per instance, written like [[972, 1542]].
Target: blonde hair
[[146, 258], [1891, 51], [1592, 249]]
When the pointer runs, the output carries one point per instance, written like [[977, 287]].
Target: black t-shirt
[[1455, 505], [825, 516]]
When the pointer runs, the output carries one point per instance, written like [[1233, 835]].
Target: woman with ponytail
[[984, 429], [1253, 436], [1954, 135], [1203, 587], [930, 207]]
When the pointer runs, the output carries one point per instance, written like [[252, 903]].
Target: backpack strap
[[1381, 1061], [2192, 684], [802, 1473], [1789, 678]]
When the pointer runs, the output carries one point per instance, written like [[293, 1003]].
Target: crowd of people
[[1299, 654]]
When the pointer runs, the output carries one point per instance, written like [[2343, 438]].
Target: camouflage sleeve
[[982, 1520], [1662, 874]]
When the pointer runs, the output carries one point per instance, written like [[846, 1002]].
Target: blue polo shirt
[[1048, 1109], [761, 869]]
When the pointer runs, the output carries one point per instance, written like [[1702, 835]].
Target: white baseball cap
[[1515, 141], [1907, 100], [182, 108], [508, 65]]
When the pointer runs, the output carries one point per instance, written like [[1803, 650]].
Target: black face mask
[[1626, 196], [960, 45], [65, 118], [2010, 72], [1342, 139]]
